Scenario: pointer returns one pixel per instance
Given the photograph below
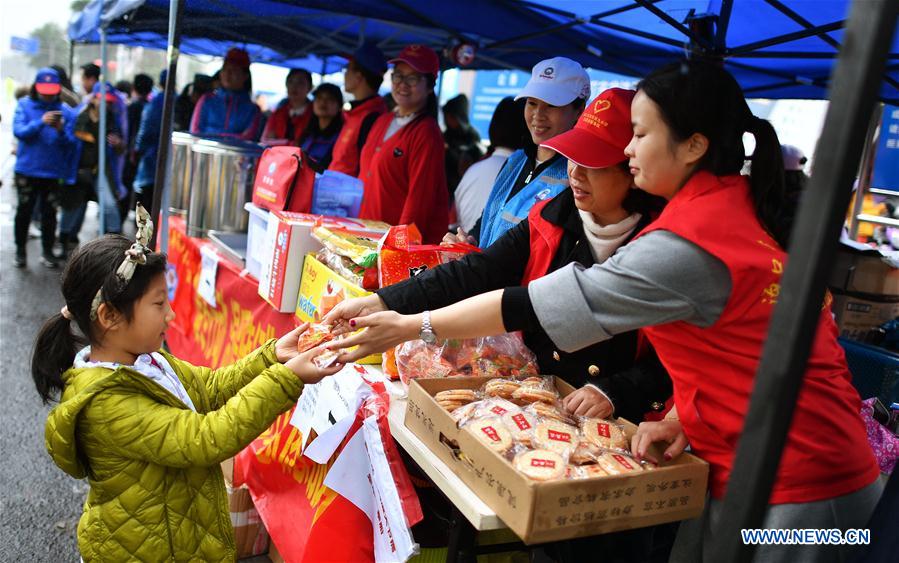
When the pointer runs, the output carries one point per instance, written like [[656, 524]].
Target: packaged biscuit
[[585, 453], [453, 399], [362, 250], [492, 432], [556, 436], [541, 465], [527, 394], [604, 433], [522, 425], [500, 387], [591, 471], [316, 335], [615, 463], [494, 406], [551, 411]]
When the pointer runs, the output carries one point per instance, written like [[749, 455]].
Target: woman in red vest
[[702, 281], [402, 161], [287, 123], [362, 78]]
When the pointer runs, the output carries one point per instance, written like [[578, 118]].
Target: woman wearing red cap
[[229, 110], [402, 162], [584, 224], [43, 126], [701, 281]]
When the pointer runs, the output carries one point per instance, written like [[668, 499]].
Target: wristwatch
[[427, 332]]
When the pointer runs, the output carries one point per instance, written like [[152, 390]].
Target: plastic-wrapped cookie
[[460, 395], [521, 424], [618, 464], [556, 436], [541, 465], [526, 395], [604, 433], [492, 432], [496, 406], [546, 410], [585, 453], [534, 381], [451, 406], [501, 388], [591, 471]]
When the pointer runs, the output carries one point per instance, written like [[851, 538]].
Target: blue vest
[[501, 215]]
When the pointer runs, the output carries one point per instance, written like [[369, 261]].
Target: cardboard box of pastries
[[551, 504]]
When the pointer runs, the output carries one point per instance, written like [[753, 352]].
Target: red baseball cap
[[420, 57], [47, 82], [602, 132], [238, 56]]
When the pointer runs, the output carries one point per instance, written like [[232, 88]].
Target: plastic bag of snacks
[[362, 250], [316, 335], [504, 355], [402, 256], [367, 278]]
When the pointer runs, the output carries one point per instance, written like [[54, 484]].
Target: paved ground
[[39, 504]]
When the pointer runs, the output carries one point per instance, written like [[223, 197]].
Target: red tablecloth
[[216, 336]]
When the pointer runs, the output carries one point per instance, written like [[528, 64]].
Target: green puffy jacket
[[156, 488]]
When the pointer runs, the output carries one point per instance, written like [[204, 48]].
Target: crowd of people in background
[[413, 171]]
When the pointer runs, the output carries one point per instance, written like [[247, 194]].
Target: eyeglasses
[[411, 80]]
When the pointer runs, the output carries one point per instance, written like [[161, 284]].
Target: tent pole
[[161, 182], [102, 182], [865, 170], [71, 58], [856, 83]]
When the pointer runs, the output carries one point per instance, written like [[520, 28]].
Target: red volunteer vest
[[545, 238], [277, 123], [713, 369], [404, 177], [345, 157]]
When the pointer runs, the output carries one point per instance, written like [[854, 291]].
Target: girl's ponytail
[[54, 352], [767, 179]]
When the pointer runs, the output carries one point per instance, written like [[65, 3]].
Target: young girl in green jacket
[[147, 430]]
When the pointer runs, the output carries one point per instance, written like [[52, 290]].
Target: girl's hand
[[304, 368], [588, 401], [286, 346], [345, 311], [668, 430], [382, 331]]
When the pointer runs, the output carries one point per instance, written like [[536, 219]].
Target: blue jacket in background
[[44, 152], [227, 112], [146, 144]]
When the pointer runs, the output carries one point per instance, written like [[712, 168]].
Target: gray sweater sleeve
[[658, 278]]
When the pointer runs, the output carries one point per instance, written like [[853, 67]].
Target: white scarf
[[158, 371], [605, 240]]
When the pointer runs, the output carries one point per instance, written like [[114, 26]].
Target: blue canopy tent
[[775, 48]]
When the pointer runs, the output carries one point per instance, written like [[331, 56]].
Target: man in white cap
[[556, 95]]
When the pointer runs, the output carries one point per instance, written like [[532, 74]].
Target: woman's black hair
[[700, 97], [63, 76], [508, 127], [301, 71], [373, 79], [92, 267]]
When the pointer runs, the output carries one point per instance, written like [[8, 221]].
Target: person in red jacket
[[702, 282], [402, 161], [288, 122], [362, 78]]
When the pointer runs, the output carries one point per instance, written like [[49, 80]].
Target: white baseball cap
[[557, 81]]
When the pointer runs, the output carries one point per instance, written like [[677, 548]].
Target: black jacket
[[633, 388]]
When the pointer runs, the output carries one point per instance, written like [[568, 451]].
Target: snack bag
[[417, 359], [557, 437], [541, 465], [359, 246], [313, 336], [388, 364], [366, 278], [499, 387], [615, 463], [452, 399], [402, 256], [604, 434], [492, 432]]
